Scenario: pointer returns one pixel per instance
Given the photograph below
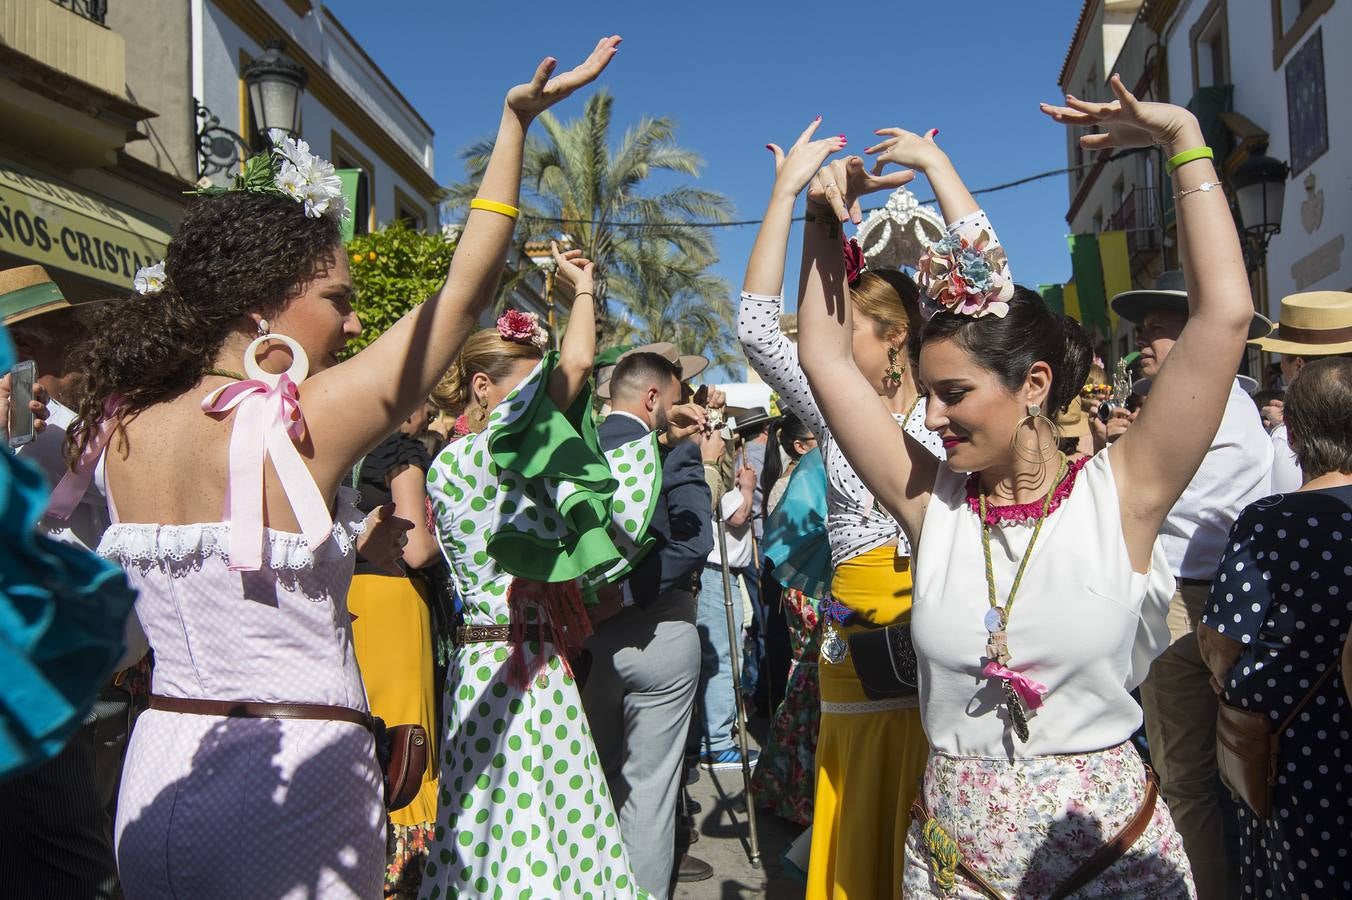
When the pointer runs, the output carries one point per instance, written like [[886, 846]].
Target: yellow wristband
[[1187, 156], [503, 209]]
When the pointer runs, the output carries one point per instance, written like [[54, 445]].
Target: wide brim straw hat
[[689, 364], [1170, 293], [1073, 422], [28, 291], [1315, 323]]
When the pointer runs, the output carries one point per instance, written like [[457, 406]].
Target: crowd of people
[[460, 614]]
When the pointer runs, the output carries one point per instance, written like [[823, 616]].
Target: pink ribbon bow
[[1029, 691], [70, 490], [269, 421]]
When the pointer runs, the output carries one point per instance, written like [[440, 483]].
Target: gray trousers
[[638, 697]]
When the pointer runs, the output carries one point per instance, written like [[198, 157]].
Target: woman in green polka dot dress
[[530, 518]]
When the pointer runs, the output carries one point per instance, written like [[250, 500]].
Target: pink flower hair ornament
[[855, 264], [967, 278], [523, 328]]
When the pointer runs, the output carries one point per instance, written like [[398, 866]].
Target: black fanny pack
[[884, 661]]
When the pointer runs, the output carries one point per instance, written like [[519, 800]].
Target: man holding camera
[[1176, 697]]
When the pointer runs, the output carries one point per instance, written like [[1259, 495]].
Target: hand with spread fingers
[[541, 92], [574, 270], [1128, 122], [794, 169], [382, 543], [840, 183], [906, 149]]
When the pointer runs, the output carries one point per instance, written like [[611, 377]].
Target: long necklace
[[226, 373], [997, 617]]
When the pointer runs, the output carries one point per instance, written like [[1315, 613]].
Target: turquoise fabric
[[795, 531], [62, 611]]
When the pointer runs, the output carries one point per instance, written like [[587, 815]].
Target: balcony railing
[[93, 10], [1139, 217]]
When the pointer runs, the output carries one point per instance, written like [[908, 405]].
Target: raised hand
[[793, 170], [905, 148], [842, 182], [574, 269], [1128, 122], [541, 92]]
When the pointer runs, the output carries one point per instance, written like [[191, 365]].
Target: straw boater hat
[[689, 364], [1170, 293], [1317, 323], [28, 291]]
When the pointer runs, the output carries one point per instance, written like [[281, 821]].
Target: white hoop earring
[[300, 363]]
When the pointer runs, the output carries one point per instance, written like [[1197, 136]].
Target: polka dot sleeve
[[775, 358], [1242, 590]]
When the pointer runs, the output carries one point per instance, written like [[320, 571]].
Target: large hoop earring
[[894, 371], [1045, 454], [476, 416], [300, 363]]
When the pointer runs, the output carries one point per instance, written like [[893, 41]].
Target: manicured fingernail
[[818, 119], [768, 147], [842, 137], [934, 132]]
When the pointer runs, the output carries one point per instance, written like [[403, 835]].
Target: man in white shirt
[[1176, 697], [1311, 326]]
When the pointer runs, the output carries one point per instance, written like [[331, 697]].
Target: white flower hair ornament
[[292, 170], [150, 280]]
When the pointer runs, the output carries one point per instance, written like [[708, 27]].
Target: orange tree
[[393, 270]]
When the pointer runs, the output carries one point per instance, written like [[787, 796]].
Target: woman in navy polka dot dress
[[1277, 621]]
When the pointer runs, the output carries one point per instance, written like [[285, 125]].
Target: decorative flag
[[1116, 268], [1084, 258], [1070, 296], [1053, 296]]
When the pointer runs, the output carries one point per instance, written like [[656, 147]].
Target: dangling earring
[[894, 370], [1044, 453], [300, 363], [477, 415]]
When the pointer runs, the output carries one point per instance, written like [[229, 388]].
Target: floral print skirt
[[1026, 825]]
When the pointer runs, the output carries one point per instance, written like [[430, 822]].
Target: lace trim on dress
[[1022, 513], [129, 543]]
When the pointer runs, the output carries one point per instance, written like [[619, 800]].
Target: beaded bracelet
[[1187, 156]]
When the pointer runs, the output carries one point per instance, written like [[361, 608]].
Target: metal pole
[[737, 683]]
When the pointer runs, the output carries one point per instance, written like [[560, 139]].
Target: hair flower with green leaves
[[292, 170]]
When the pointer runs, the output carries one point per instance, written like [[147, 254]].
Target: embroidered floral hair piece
[[292, 170], [150, 280], [966, 276], [523, 328]]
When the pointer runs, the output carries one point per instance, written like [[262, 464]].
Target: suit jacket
[[681, 521]]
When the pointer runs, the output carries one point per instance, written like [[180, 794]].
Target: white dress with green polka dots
[[524, 809]]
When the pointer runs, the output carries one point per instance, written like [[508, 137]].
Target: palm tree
[[571, 174]]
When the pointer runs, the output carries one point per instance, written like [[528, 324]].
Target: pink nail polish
[[936, 132], [818, 119]]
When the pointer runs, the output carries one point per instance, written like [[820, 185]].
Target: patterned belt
[[494, 634]]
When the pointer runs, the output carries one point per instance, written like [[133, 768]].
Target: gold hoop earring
[[1045, 454], [894, 371]]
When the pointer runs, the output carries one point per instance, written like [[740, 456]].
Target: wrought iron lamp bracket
[[219, 149]]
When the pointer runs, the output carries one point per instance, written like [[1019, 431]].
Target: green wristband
[[1188, 156]]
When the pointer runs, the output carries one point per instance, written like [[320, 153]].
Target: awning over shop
[[63, 227]]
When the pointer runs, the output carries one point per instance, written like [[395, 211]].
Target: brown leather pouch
[[402, 751]]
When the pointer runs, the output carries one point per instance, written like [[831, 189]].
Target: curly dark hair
[[233, 254]]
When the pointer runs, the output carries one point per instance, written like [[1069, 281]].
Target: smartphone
[[21, 380]]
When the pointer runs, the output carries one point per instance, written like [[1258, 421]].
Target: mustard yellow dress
[[871, 754]]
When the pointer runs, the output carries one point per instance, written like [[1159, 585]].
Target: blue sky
[[736, 74]]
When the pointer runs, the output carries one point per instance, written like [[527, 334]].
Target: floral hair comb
[[523, 328], [292, 170], [965, 277], [855, 264]]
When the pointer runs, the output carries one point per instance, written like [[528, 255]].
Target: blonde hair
[[486, 352], [890, 298]]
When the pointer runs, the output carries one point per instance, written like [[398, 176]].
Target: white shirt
[[740, 539], [1084, 624], [1286, 474], [1236, 471]]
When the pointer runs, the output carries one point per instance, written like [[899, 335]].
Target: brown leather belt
[[489, 634], [249, 709], [1120, 844]]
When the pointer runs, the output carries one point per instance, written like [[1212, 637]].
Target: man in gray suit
[[640, 691]]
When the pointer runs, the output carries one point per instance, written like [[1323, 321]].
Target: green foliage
[[612, 215], [394, 269], [257, 174]]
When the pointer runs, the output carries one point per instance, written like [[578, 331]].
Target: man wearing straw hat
[[1310, 326], [1176, 697], [54, 820]]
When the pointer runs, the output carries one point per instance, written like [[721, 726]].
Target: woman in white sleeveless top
[[1033, 788]]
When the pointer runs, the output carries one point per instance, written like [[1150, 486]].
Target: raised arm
[[1157, 457], [577, 350], [351, 407], [772, 355], [898, 472]]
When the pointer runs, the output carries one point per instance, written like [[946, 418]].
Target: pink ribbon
[[70, 490], [1029, 691], [268, 422]]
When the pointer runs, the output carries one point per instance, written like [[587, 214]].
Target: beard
[[660, 420]]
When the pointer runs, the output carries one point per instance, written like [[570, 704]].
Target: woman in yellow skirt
[[870, 754], [392, 636]]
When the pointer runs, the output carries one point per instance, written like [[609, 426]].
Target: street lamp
[[1260, 188], [275, 82]]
